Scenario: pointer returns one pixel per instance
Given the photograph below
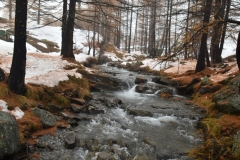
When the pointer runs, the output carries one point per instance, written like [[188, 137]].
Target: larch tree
[[16, 79], [203, 47], [67, 50]]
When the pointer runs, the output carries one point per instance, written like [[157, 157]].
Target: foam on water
[[156, 121]]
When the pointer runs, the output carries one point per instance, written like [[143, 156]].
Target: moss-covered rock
[[9, 135]]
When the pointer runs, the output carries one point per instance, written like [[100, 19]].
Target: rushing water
[[166, 130]]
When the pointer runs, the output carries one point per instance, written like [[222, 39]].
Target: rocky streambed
[[126, 119]]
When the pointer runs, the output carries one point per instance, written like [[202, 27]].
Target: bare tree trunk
[[10, 9], [167, 29], [186, 30], [216, 34], [202, 53], [224, 26], [68, 51], [135, 34], [94, 30], [238, 51], [130, 33], [39, 9], [64, 27], [146, 31], [16, 79]]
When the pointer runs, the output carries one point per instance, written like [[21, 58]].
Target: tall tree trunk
[[167, 29], [16, 79], [186, 30], [135, 34], [142, 29], [94, 31], [146, 32], [152, 29], [68, 51], [216, 34], [202, 53], [10, 9], [224, 26], [126, 33], [238, 51], [130, 33], [39, 9], [64, 27]]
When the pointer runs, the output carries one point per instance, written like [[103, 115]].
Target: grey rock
[[55, 108], [70, 140], [139, 112], [105, 156], [236, 146], [47, 119], [77, 101], [77, 108], [9, 135], [117, 101], [140, 79], [164, 81]]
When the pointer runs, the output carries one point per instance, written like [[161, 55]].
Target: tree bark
[[68, 51], [202, 53], [224, 26], [64, 27], [130, 33], [39, 9], [238, 51], [10, 9], [16, 79], [216, 34]]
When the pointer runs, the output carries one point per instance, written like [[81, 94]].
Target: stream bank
[[122, 123]]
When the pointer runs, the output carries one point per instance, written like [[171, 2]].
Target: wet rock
[[107, 103], [47, 119], [140, 79], [135, 66], [9, 135], [141, 88], [117, 101], [148, 88], [66, 115], [77, 108], [150, 142], [164, 81], [70, 92], [187, 89], [236, 146], [105, 156], [209, 89], [228, 100], [54, 108], [205, 81], [70, 140], [72, 122], [77, 101], [103, 82], [139, 112], [166, 93], [2, 75]]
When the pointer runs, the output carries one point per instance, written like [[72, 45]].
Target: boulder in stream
[[9, 135], [105, 156], [140, 79]]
